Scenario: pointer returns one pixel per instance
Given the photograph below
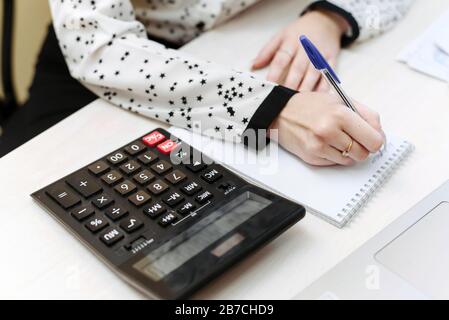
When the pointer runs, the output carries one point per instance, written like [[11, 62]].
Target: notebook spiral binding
[[374, 183]]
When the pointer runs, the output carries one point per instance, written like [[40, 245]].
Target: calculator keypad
[[167, 219], [117, 158], [143, 177], [125, 187], [175, 177], [196, 166], [167, 146], [137, 189], [130, 167], [203, 197], [135, 148], [84, 184], [131, 224], [186, 208], [98, 167], [64, 197], [191, 188], [147, 157], [96, 224], [111, 236], [157, 187], [102, 201], [173, 199], [161, 167], [139, 198], [153, 139], [116, 212], [211, 175], [82, 213], [112, 177], [155, 209]]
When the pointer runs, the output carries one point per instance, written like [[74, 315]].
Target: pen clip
[[316, 58]]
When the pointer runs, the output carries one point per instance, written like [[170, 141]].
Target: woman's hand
[[289, 64], [317, 127]]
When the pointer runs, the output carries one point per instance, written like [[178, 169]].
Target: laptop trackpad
[[420, 255]]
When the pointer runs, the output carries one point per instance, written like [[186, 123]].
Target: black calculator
[[164, 216]]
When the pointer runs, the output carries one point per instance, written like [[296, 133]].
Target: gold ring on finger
[[348, 149]]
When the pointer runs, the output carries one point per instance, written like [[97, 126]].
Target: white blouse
[[106, 47]]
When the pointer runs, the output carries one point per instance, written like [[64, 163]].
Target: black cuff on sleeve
[[326, 5], [265, 115]]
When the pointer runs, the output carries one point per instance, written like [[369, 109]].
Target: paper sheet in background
[[334, 193], [442, 41], [429, 53]]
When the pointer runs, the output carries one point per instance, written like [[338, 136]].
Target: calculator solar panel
[[164, 216]]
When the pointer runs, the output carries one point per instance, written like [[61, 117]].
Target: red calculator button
[[153, 138], [167, 146]]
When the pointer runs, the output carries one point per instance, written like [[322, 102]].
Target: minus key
[[82, 213]]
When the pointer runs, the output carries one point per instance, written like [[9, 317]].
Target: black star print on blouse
[[107, 49]]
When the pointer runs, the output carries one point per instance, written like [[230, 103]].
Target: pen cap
[[316, 57]]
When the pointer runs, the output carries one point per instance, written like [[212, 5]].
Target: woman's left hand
[[289, 64]]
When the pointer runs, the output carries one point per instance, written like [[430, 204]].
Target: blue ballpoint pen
[[326, 70]]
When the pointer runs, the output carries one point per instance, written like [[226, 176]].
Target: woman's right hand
[[318, 128]]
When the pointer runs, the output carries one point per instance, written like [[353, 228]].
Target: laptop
[[407, 260]]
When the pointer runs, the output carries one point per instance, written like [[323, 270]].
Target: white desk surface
[[40, 259]]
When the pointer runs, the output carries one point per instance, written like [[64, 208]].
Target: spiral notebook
[[334, 194]]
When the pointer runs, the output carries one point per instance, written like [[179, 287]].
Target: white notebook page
[[333, 193]]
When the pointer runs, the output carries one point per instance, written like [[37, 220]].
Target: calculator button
[[125, 187], [112, 177], [111, 236], [211, 175], [153, 138], [157, 187], [115, 213], [196, 166], [139, 198], [82, 213], [203, 197], [84, 184], [182, 155], [175, 177], [143, 177], [96, 224], [161, 166], [167, 219], [64, 197], [102, 201], [130, 167], [147, 157], [117, 157], [167, 146], [154, 210], [98, 167], [131, 224], [135, 148], [191, 188], [186, 208], [172, 199]]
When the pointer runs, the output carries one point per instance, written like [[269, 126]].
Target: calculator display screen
[[187, 245]]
